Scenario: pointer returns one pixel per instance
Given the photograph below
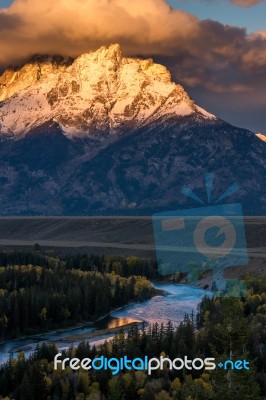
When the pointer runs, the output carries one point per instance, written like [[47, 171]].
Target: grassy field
[[113, 235]]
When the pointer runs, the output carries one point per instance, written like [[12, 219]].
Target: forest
[[54, 294], [223, 328]]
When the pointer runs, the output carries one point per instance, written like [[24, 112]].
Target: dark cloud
[[241, 3], [246, 3], [9, 22]]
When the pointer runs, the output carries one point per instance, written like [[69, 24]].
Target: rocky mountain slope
[[104, 134]]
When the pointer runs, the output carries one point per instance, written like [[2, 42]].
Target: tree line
[[123, 266]]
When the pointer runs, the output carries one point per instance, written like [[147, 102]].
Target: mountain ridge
[[98, 91], [76, 156]]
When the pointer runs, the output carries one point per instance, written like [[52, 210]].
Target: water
[[29, 344], [176, 301]]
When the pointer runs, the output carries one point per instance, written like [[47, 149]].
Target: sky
[[5, 3], [252, 18], [215, 48]]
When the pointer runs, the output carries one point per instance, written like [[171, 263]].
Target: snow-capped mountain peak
[[97, 92]]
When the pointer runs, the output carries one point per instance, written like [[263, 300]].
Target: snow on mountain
[[261, 136], [97, 92]]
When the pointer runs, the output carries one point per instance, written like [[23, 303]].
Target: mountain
[[100, 92], [261, 136], [104, 134]]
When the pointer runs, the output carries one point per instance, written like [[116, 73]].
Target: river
[[176, 301]]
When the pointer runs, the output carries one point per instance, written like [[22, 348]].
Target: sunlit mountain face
[[103, 134], [261, 136], [100, 92]]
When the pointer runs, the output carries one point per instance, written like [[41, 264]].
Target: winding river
[[176, 301]]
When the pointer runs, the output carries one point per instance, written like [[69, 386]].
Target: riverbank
[[75, 326], [173, 302], [80, 325], [98, 334], [93, 336]]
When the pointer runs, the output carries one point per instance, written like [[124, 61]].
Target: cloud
[[199, 53], [246, 3], [76, 26], [243, 3]]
